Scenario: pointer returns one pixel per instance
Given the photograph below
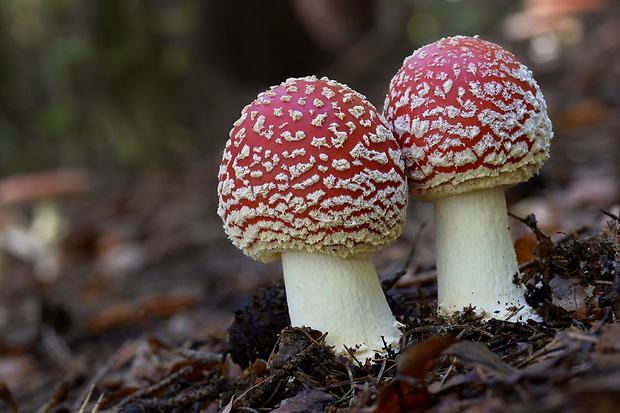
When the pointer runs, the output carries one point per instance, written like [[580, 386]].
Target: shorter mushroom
[[312, 175], [472, 121]]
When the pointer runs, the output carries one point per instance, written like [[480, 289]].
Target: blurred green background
[[110, 84]]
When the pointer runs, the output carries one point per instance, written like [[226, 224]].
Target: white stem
[[476, 260], [342, 297]]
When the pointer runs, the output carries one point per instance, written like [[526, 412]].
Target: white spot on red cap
[[341, 164], [328, 93], [319, 119], [320, 142], [296, 115], [357, 111]]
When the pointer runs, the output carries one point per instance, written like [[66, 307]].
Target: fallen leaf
[[456, 381], [582, 114], [415, 361], [307, 400], [609, 340], [124, 313], [524, 248], [570, 294], [39, 185], [477, 354]]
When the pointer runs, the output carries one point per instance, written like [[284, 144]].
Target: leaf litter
[[568, 363]]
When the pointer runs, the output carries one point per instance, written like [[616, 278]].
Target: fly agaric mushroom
[[472, 121], [312, 175]]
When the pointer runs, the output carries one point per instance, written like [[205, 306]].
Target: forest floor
[[153, 315]]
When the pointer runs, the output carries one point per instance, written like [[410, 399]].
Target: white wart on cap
[[311, 174]]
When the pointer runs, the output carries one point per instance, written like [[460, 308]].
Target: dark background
[[109, 84]]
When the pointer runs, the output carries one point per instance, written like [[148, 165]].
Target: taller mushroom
[[472, 121], [312, 175]]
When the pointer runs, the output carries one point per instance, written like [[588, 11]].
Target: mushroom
[[312, 175], [472, 121]]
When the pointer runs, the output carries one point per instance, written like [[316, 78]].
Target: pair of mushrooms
[[314, 175]]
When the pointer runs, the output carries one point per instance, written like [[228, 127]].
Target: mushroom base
[[342, 297], [476, 260]]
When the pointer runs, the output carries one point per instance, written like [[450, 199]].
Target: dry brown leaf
[[415, 361], [609, 340], [123, 313], [524, 247], [400, 396], [307, 400], [570, 294], [583, 113], [477, 354], [45, 184], [115, 315]]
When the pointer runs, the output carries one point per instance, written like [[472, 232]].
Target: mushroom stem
[[340, 296], [476, 260]]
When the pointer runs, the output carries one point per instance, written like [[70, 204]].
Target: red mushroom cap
[[468, 116], [311, 165]]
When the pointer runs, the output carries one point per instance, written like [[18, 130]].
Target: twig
[[381, 371], [532, 224], [346, 395], [513, 313], [314, 342], [203, 357], [157, 386], [281, 383], [545, 351], [468, 327], [87, 399], [187, 398], [98, 404], [582, 337], [611, 215], [100, 373]]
